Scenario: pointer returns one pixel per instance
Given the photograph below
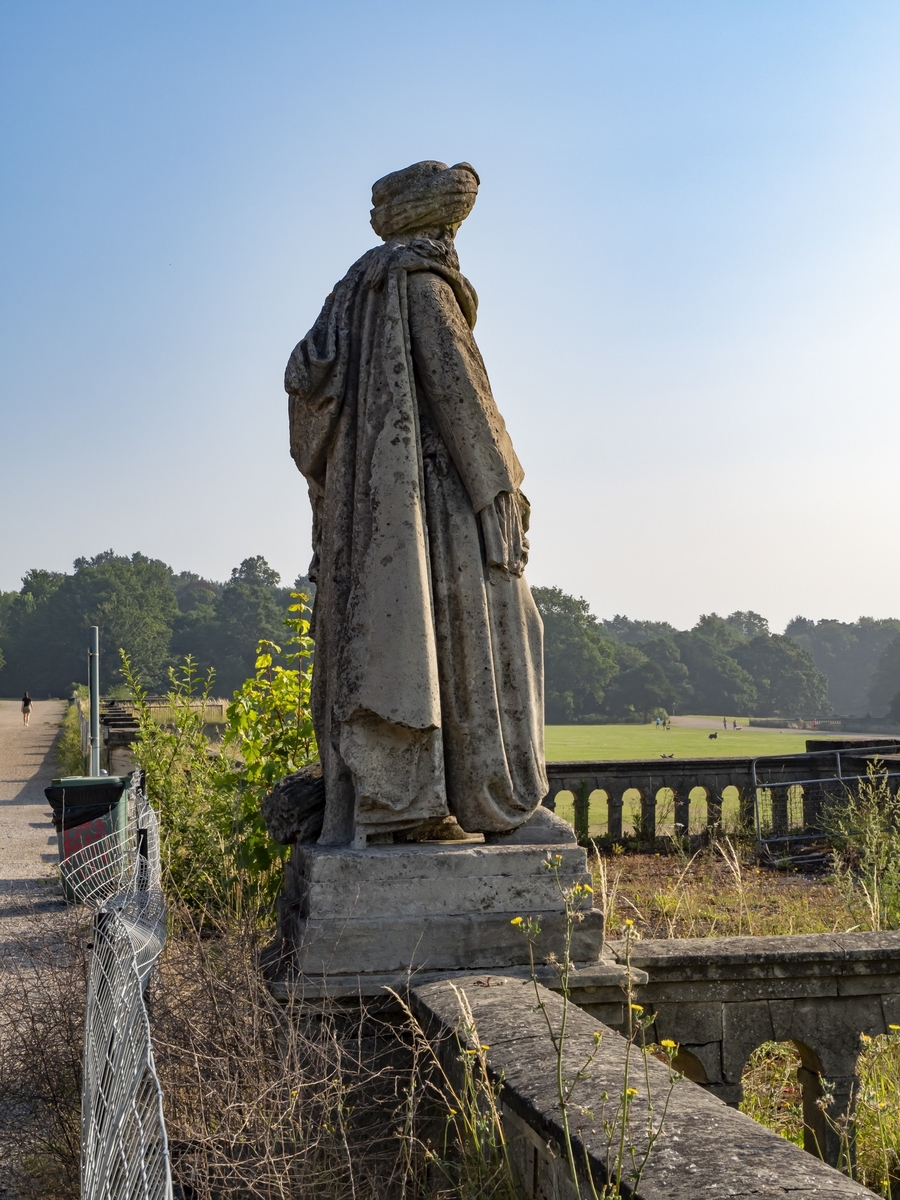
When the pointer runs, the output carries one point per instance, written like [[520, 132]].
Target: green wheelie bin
[[86, 809]]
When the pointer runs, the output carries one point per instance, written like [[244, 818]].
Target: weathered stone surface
[[294, 809], [429, 880], [744, 1027], [421, 898], [695, 1023], [819, 992], [543, 828], [704, 989], [460, 942], [709, 1055], [596, 979], [436, 863], [771, 955], [348, 913], [705, 1148], [428, 689]]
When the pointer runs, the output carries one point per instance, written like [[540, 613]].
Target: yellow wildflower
[[894, 1027], [668, 1044], [631, 1091], [516, 921], [639, 1008]]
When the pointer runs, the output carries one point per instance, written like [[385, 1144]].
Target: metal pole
[[94, 683]]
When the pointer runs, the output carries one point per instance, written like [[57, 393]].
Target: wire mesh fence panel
[[124, 1151], [797, 796]]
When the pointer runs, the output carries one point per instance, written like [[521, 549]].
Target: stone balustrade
[[647, 778], [704, 1148], [721, 998], [794, 787]]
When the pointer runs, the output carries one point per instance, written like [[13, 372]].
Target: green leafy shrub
[[269, 734], [217, 855]]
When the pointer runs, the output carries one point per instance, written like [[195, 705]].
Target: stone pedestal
[[352, 921]]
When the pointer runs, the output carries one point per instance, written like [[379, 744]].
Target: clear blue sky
[[687, 248]]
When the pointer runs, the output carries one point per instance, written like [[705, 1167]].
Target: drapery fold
[[421, 706]]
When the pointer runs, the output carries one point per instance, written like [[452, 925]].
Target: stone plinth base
[[350, 918]]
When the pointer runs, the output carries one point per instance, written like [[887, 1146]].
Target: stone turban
[[423, 196]]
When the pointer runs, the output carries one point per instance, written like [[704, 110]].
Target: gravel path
[[37, 963], [28, 879]]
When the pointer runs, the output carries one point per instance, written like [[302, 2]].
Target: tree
[[623, 629], [886, 680], [719, 683], [663, 651], [748, 625], [578, 658], [639, 690], [719, 631], [848, 654], [130, 599], [787, 681], [248, 611]]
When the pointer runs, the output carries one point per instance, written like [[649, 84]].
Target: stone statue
[[428, 682]]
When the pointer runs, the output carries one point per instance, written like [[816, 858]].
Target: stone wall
[[704, 1149], [720, 998]]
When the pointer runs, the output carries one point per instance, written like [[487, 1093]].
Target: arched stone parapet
[[721, 998], [682, 814], [556, 786]]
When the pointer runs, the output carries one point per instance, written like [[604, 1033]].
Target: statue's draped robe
[[428, 682]]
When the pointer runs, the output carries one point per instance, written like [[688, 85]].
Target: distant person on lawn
[[26, 708]]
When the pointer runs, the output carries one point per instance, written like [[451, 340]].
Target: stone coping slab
[[779, 954], [603, 977], [429, 861], [705, 1148]]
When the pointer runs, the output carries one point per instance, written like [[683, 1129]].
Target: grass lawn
[[593, 742]]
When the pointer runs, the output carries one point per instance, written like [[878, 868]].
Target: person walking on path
[[724, 722], [26, 709]]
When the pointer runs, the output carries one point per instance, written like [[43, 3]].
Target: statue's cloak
[[428, 682]]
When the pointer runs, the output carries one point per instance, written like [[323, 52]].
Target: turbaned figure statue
[[428, 682]]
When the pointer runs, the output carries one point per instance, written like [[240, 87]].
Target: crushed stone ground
[[32, 909], [28, 877]]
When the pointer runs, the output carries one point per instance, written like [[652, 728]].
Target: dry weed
[[263, 1101], [270, 1101], [43, 984], [716, 894]]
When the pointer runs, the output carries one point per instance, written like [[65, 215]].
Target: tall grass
[[864, 824]]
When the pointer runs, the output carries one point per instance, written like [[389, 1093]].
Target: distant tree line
[[625, 670], [141, 605], [596, 670]]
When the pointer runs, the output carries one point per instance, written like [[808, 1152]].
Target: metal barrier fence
[[124, 1151], [792, 794]]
